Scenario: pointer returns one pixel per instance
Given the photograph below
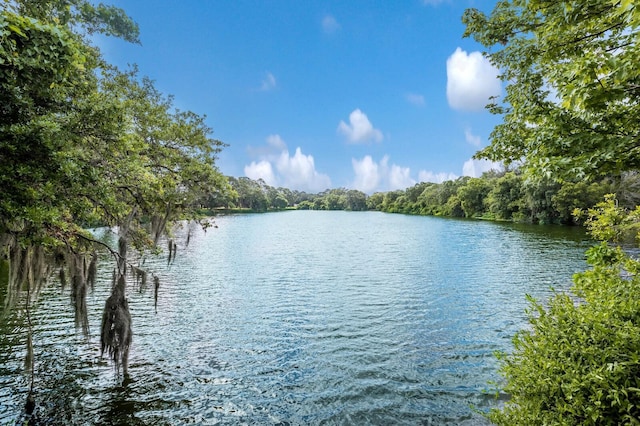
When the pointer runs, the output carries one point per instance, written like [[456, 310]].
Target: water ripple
[[301, 318]]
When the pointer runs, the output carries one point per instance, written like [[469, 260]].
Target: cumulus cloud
[[367, 176], [278, 168], [359, 129], [471, 168], [276, 142], [261, 170], [299, 172], [329, 24], [427, 176], [471, 81], [414, 99], [400, 177], [275, 145], [269, 82], [475, 168], [471, 138], [371, 176]]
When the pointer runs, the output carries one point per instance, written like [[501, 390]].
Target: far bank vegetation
[[496, 195]]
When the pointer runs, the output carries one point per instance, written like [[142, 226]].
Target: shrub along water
[[579, 363]]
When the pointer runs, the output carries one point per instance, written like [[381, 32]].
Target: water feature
[[301, 317]]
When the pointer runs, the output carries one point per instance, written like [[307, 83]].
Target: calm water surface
[[301, 318]]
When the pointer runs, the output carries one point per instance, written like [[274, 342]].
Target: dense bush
[[579, 362]]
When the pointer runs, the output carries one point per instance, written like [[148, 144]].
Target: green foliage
[[259, 197], [538, 195], [472, 196], [83, 143], [609, 222], [571, 113], [44, 71], [374, 202], [571, 107], [505, 200], [501, 196], [579, 361], [579, 195], [80, 15]]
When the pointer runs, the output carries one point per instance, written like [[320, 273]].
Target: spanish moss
[[93, 270], [156, 285], [158, 225], [28, 359], [141, 278], [79, 283], [63, 278], [28, 270], [115, 337], [29, 267]]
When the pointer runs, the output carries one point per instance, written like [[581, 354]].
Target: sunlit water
[[301, 318]]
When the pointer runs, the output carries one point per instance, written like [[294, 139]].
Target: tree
[[334, 199], [356, 200], [80, 15], [375, 200], [505, 198], [429, 200], [82, 143], [389, 201], [44, 69], [578, 195], [572, 84], [538, 196], [251, 194], [472, 196], [571, 112]]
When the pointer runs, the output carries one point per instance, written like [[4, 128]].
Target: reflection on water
[[301, 318]]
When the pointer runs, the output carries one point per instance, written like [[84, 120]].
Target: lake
[[301, 317]]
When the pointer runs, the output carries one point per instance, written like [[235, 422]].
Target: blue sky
[[310, 95]]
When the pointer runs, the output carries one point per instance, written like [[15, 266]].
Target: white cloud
[[299, 172], [278, 168], [261, 170], [329, 24], [269, 82], [475, 168], [275, 145], [400, 177], [471, 81], [359, 129], [367, 176], [276, 142], [371, 176], [471, 138], [415, 99], [425, 176]]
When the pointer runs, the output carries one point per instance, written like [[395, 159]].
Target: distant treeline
[[503, 195], [256, 195]]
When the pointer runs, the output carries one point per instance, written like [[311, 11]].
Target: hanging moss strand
[[156, 285]]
